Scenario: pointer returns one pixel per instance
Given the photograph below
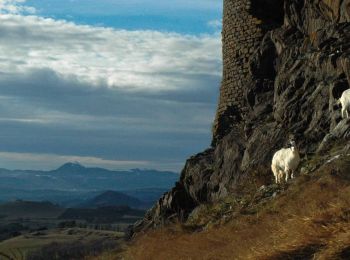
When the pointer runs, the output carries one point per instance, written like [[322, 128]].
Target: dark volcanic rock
[[174, 205], [340, 132], [294, 77]]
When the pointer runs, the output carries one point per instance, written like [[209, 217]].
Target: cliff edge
[[285, 64]]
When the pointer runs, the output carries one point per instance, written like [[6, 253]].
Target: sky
[[118, 84]]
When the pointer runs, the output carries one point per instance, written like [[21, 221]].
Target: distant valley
[[72, 184], [33, 230], [73, 208]]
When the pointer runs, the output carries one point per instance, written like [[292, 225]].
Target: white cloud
[[15, 7], [216, 24], [90, 93], [128, 60]]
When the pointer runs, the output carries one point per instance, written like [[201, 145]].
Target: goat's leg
[[287, 171], [275, 172], [277, 177], [280, 176], [347, 113], [292, 176]]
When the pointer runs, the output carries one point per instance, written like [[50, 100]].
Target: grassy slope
[[18, 247], [308, 220]]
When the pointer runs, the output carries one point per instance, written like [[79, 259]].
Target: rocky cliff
[[285, 65]]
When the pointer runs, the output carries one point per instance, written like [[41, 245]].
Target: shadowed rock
[[285, 64]]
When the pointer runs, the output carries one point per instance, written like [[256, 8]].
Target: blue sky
[[191, 17], [116, 84]]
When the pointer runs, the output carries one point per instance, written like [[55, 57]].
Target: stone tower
[[244, 24]]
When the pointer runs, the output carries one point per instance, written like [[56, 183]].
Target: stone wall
[[243, 29]]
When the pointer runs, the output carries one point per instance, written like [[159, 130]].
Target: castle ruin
[[244, 24]]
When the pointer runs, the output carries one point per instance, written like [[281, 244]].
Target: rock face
[[285, 64]]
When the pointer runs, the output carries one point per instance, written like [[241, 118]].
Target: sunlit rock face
[[285, 64]]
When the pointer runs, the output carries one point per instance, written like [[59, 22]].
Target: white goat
[[345, 103], [285, 162]]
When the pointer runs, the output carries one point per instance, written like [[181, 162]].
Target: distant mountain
[[71, 167], [30, 209], [75, 179], [112, 199]]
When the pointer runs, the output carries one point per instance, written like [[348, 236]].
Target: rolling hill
[[112, 199]]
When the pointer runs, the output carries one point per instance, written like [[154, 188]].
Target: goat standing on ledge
[[285, 162], [345, 103]]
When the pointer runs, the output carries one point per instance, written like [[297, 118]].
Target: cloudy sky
[[113, 83]]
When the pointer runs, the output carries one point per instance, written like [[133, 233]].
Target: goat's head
[[293, 145]]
